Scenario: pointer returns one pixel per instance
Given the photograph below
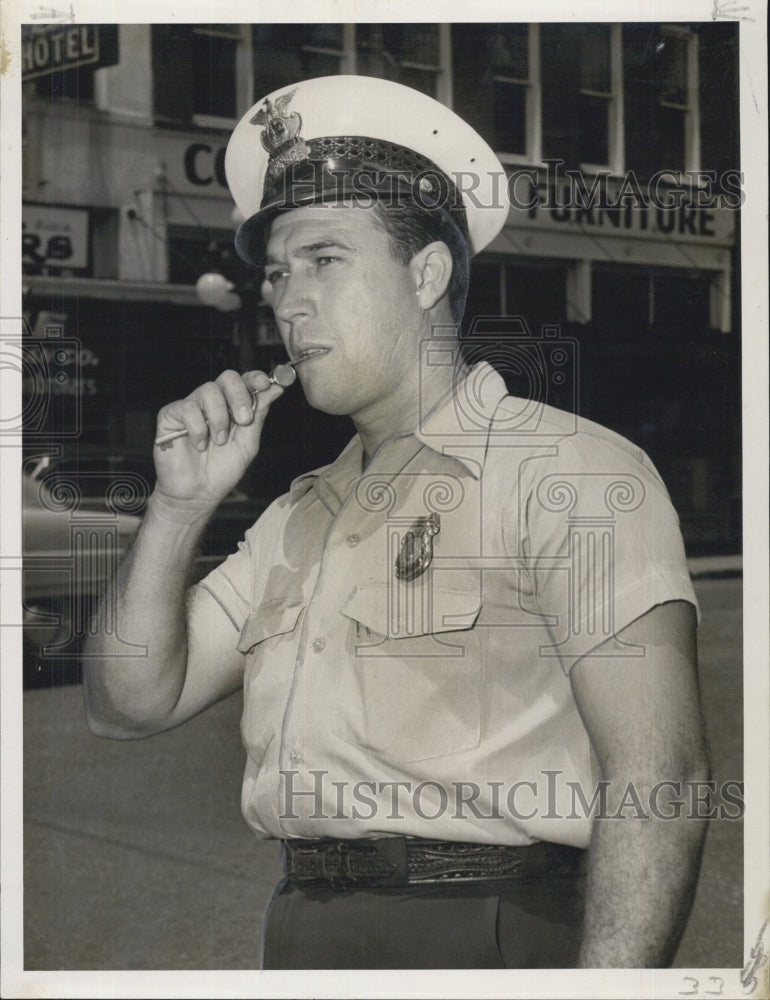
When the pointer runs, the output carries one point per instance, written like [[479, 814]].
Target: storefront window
[[484, 294], [535, 290], [621, 299], [668, 301], [193, 252]]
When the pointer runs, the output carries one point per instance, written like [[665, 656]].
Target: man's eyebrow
[[310, 248]]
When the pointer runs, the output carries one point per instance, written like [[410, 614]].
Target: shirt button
[[295, 757], [353, 540], [319, 644]]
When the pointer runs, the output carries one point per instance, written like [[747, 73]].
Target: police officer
[[467, 646]]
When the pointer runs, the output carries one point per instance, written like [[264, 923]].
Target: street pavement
[[136, 855]]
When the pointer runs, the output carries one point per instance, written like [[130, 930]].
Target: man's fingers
[[237, 395], [210, 413], [215, 410], [259, 381], [263, 392], [185, 414]]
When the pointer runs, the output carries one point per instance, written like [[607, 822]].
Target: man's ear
[[431, 269]]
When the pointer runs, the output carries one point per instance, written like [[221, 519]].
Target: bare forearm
[[642, 878], [135, 662]]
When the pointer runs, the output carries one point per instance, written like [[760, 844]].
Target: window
[[60, 60], [193, 252], [661, 98], [508, 307], [533, 289], [515, 61], [406, 53], [484, 293], [496, 71], [214, 49], [287, 53], [75, 84], [677, 98], [718, 117], [668, 301], [582, 95], [622, 298], [195, 74], [204, 75], [595, 95]]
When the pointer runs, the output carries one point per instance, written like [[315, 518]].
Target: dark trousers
[[531, 923]]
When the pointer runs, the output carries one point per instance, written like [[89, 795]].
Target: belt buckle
[[303, 866], [321, 862], [349, 865]]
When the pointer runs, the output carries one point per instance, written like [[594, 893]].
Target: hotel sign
[[57, 48]]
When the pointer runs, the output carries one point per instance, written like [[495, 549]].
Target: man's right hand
[[222, 441]]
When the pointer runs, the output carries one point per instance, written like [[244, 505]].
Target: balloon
[[229, 302], [212, 288]]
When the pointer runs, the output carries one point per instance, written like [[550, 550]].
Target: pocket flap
[[398, 609], [271, 618]]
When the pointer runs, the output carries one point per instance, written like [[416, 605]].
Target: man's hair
[[409, 228]]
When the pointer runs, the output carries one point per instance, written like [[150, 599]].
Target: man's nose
[[293, 298]]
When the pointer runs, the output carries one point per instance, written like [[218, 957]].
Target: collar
[[343, 470], [457, 426]]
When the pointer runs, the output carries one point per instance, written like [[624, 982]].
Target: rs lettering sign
[[54, 237]]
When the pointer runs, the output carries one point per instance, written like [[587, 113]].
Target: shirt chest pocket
[[266, 636], [270, 619], [412, 689]]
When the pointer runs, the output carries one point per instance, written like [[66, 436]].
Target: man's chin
[[327, 402]]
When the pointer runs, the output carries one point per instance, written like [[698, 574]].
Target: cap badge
[[280, 135], [417, 547]]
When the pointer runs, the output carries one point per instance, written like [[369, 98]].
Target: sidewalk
[[715, 567]]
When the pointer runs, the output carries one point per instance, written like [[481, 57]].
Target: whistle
[[283, 375]]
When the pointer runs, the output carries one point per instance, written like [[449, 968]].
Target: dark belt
[[397, 861]]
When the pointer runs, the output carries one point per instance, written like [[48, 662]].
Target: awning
[[49, 286]]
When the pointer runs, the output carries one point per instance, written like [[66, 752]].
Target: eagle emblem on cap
[[280, 126], [280, 134]]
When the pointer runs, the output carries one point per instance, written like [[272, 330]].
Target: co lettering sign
[[204, 165]]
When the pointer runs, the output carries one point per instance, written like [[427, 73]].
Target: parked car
[[80, 513], [68, 558]]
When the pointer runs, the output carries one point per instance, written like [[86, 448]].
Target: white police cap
[[343, 136]]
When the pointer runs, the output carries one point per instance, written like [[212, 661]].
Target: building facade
[[620, 142]]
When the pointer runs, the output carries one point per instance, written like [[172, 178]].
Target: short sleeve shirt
[[441, 706]]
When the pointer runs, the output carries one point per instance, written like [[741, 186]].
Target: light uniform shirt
[[441, 707]]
